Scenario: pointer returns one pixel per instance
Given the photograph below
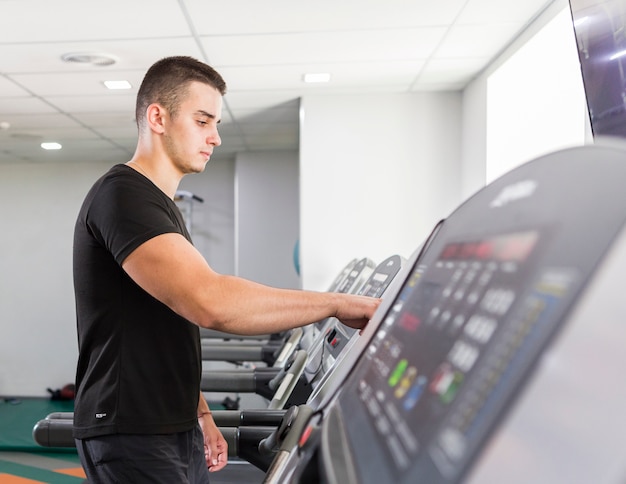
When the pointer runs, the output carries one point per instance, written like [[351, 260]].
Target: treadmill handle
[[269, 445]]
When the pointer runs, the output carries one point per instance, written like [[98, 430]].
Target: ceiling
[[262, 49]]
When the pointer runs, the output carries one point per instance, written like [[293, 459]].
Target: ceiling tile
[[486, 41], [131, 54], [24, 105], [122, 104], [107, 120], [447, 71], [9, 89], [355, 74], [62, 20], [489, 12], [280, 16], [323, 47], [40, 121], [77, 83]]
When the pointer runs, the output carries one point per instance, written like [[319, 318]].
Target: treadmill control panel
[[436, 340], [473, 317], [354, 277], [338, 335]]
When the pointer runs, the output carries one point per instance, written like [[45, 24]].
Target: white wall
[[528, 102], [213, 221], [474, 139], [39, 204], [267, 217], [535, 99], [38, 208], [377, 171]]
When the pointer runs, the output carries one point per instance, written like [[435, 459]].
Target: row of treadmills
[[497, 354]]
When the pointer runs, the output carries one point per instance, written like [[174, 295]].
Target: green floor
[[22, 460], [18, 417], [40, 467]]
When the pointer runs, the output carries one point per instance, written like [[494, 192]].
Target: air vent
[[94, 59]]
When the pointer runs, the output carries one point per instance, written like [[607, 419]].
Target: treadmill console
[[338, 335], [349, 282], [342, 275], [489, 294]]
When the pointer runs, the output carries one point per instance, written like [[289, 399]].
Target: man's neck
[[159, 172]]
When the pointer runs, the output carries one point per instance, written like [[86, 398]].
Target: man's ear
[[155, 117]]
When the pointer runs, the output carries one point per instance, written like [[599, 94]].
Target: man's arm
[[173, 271]]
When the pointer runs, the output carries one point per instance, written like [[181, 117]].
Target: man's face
[[191, 136]]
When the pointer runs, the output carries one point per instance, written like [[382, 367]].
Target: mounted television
[[600, 30]]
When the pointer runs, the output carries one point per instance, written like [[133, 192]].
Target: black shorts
[[137, 459]]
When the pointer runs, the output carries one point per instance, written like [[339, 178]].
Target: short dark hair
[[167, 80]]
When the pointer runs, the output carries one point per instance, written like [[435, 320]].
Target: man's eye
[[202, 123]]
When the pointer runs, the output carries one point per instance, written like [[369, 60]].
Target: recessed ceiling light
[[316, 77], [117, 84], [92, 58], [51, 146]]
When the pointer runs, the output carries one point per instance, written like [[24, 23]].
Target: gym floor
[[22, 460], [24, 467]]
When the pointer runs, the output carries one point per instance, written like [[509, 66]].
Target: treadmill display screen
[[433, 377]]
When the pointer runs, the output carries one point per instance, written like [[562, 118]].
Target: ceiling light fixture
[[313, 77], [51, 145], [117, 84], [91, 58]]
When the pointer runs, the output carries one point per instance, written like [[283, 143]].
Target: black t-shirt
[[139, 365]]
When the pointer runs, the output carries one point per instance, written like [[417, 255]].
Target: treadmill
[[333, 345], [502, 356], [338, 338]]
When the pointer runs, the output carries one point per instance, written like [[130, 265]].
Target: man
[[143, 290]]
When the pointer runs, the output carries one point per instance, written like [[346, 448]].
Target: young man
[[143, 290]]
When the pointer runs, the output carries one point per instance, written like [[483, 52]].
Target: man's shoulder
[[119, 179], [119, 173]]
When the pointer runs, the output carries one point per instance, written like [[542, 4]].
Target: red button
[[305, 436]]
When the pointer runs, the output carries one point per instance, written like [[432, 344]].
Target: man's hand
[[215, 447], [356, 311]]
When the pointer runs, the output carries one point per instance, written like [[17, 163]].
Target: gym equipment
[[501, 357], [337, 337], [331, 347], [184, 200]]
